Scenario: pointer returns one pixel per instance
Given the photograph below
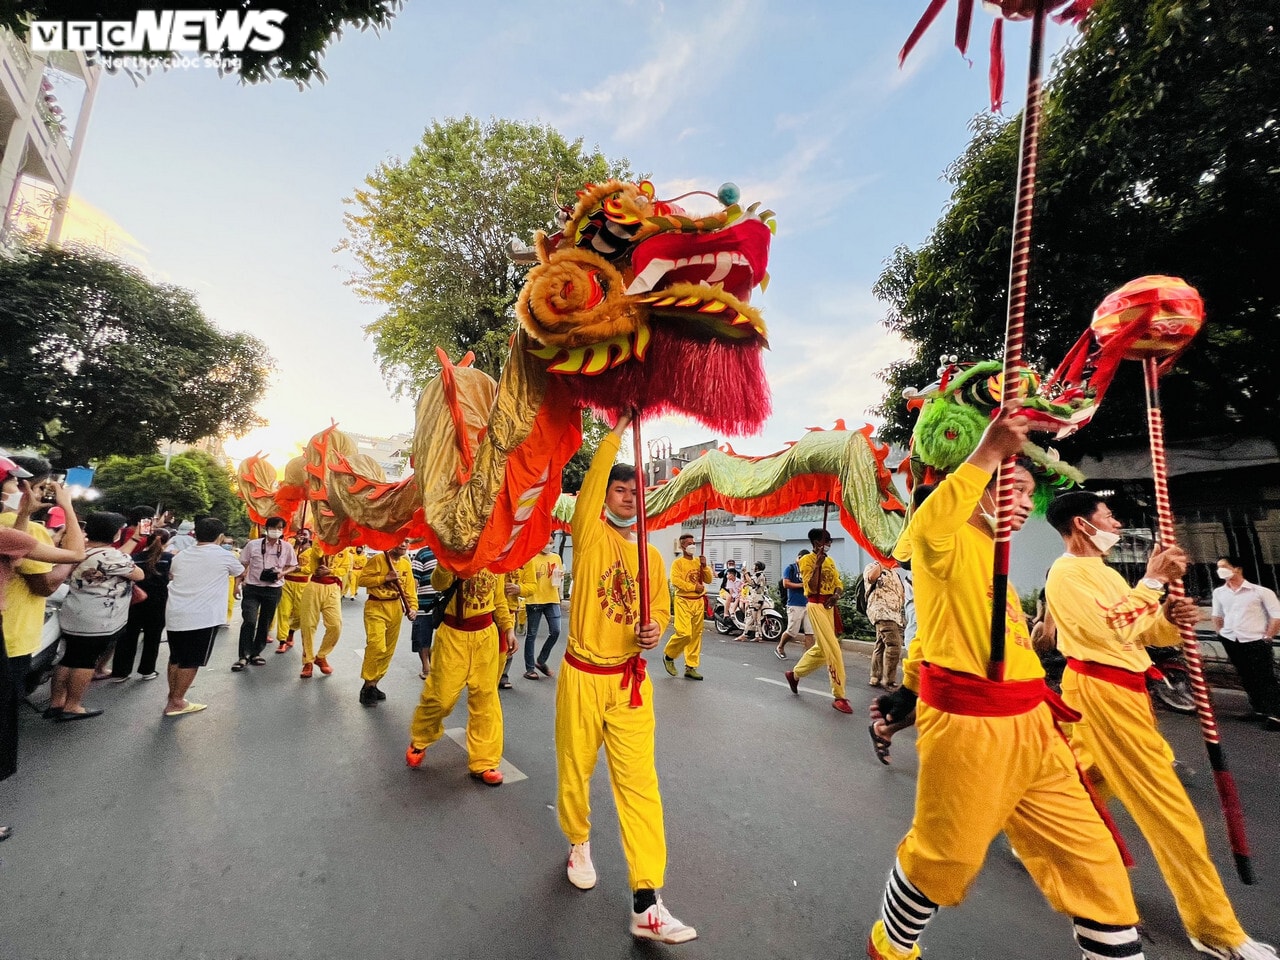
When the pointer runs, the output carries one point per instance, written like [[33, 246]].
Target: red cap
[[10, 469]]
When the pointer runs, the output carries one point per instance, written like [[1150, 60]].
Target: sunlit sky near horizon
[[236, 191]]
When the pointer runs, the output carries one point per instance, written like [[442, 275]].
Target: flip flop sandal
[[239, 665], [258, 661], [880, 744], [189, 708], [779, 654], [504, 685], [532, 675]]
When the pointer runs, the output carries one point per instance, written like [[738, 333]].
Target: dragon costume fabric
[[632, 304]]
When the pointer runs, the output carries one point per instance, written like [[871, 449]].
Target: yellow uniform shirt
[[339, 563], [951, 566], [373, 576], [1102, 619], [538, 580], [605, 607], [24, 610], [689, 577], [830, 578], [483, 593]]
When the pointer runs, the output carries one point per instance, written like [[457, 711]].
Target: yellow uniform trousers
[[463, 658], [687, 638], [289, 613], [321, 602], [981, 775], [1127, 752], [825, 650], [592, 709], [382, 620]]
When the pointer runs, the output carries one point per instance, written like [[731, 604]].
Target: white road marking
[[783, 683], [509, 772]]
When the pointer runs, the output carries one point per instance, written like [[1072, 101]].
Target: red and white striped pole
[[1011, 382], [1232, 811]]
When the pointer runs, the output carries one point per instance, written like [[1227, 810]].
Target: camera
[[271, 576], [50, 495]]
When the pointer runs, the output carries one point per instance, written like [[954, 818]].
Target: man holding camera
[[266, 561]]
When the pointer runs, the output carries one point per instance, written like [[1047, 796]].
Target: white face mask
[[1224, 573], [1101, 539], [274, 534], [989, 517], [688, 548], [12, 501], [616, 520]]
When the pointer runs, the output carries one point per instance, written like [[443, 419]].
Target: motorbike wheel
[[1173, 692], [771, 626], [724, 626]]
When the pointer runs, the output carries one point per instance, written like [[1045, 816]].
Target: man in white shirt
[[1247, 618], [197, 608]]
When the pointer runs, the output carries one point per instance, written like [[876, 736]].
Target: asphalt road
[[282, 824]]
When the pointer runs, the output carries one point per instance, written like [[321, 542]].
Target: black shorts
[[82, 652], [189, 649]]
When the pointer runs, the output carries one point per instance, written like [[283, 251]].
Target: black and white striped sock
[[1104, 941], [905, 911]]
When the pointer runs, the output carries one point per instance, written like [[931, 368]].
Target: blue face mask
[[616, 520]]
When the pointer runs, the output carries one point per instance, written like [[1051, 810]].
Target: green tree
[[125, 482], [97, 360], [431, 235], [309, 27], [1159, 154], [575, 471], [218, 480]]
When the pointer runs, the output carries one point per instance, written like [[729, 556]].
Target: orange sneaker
[[413, 756], [323, 664], [490, 778], [306, 671]]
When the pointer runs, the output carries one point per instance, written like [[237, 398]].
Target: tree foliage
[[1160, 153], [96, 359], [575, 471], [309, 27], [192, 484], [431, 235]]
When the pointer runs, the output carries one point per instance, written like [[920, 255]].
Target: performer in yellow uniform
[[822, 586], [1104, 628], [322, 600], [469, 649], [604, 696], [991, 757], [351, 585], [689, 577], [289, 613], [390, 593]]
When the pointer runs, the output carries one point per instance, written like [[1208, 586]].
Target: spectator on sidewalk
[[197, 594], [885, 602], [1247, 618], [798, 626], [94, 614], [146, 618]]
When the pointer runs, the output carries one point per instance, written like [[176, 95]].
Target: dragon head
[[632, 293]]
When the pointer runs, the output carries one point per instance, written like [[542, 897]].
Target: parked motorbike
[[772, 622]]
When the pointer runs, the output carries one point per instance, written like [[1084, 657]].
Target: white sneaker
[[582, 872], [1249, 950], [657, 923]]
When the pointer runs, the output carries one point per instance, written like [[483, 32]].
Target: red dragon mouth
[[734, 259]]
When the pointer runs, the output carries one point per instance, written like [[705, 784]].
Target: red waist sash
[[1129, 679], [296, 577], [963, 693], [326, 580], [632, 671], [818, 597], [479, 622]]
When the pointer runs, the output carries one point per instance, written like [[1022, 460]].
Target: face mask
[[616, 520], [689, 549], [989, 517], [1224, 573], [12, 501], [274, 534], [1103, 540]]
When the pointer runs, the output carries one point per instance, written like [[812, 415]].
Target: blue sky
[[236, 191]]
